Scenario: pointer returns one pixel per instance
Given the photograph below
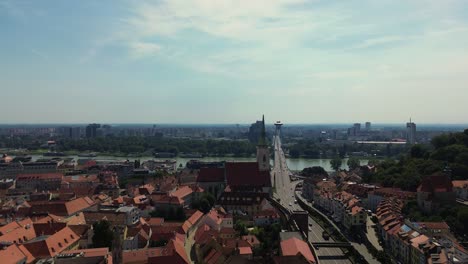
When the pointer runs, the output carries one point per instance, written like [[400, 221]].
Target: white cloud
[[144, 49]]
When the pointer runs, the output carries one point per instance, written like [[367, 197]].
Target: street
[[284, 190]]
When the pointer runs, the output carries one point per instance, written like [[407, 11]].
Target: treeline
[[318, 149], [127, 145], [447, 153]]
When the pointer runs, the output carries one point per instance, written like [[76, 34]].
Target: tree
[[241, 228], [103, 235], [418, 151], [336, 163], [353, 163], [205, 206]]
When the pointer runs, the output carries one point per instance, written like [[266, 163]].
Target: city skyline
[[216, 62]]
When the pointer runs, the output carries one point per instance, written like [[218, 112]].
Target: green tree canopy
[[353, 163], [103, 235], [336, 163]]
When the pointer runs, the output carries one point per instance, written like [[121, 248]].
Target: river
[[293, 164]]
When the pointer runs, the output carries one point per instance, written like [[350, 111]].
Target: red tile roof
[[37, 176], [155, 221], [195, 217], [19, 235], [62, 208], [48, 228], [173, 252], [434, 225], [211, 175], [245, 250], [295, 246], [90, 252], [436, 183], [460, 184], [252, 240], [9, 227], [140, 255], [212, 257], [12, 254], [29, 256], [246, 174], [182, 192], [52, 245]]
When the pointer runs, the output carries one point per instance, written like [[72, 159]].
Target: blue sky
[[220, 61]]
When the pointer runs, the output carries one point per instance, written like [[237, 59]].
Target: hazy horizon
[[228, 62]]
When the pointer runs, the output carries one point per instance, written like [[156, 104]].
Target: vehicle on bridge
[[325, 235]]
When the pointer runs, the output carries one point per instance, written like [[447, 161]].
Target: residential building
[[295, 247], [411, 133], [434, 191], [39, 182], [92, 130], [461, 189], [81, 256]]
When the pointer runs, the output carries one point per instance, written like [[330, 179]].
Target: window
[[60, 244]]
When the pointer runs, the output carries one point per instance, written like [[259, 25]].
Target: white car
[[290, 204]]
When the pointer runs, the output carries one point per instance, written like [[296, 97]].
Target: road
[[284, 189]]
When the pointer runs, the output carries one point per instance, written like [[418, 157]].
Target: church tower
[[263, 153]]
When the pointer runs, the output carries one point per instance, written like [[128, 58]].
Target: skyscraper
[[368, 126], [91, 130], [410, 133]]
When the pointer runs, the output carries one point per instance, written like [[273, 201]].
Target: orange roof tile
[[294, 246], [245, 250], [12, 254]]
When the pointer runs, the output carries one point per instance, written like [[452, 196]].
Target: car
[[290, 204], [310, 228], [310, 224]]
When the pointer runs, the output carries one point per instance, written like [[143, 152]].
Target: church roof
[[246, 174]]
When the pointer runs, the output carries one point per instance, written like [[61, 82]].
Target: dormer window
[[53, 249], [72, 237], [60, 244], [66, 241]]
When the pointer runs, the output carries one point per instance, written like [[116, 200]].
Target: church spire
[[262, 140]]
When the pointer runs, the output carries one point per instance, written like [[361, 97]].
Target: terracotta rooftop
[[12, 254], [211, 175], [155, 221], [182, 192], [90, 252], [245, 250], [37, 176], [195, 217], [252, 240], [460, 184], [436, 183], [246, 174], [434, 225], [52, 245], [19, 235], [294, 246], [62, 208]]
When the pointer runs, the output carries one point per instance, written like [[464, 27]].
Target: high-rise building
[[410, 133], [354, 130], [368, 126], [70, 132], [357, 128], [91, 130], [254, 132], [263, 153]]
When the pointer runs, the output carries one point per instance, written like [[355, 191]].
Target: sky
[[230, 61]]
